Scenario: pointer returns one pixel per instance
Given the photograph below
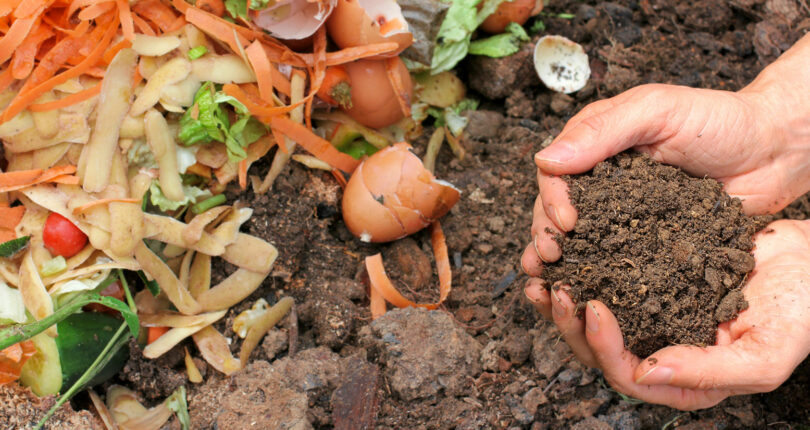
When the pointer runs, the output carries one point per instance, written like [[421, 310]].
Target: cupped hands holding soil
[[667, 253]]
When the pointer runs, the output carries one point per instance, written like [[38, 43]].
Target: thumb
[[637, 117], [743, 366]]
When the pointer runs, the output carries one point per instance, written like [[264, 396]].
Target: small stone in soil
[[422, 352]]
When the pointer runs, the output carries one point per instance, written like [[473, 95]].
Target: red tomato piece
[[61, 237]]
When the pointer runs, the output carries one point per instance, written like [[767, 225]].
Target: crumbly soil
[[667, 253], [486, 359]]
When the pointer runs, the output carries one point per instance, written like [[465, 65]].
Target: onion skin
[[517, 11], [350, 26], [391, 195], [374, 102]]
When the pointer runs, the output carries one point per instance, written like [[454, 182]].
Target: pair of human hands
[[757, 143]]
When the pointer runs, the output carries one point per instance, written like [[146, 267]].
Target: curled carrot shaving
[[24, 99], [10, 217], [143, 26], [101, 202], [391, 66], [279, 138], [313, 143], [24, 55], [243, 168], [110, 54], [96, 10], [12, 360], [17, 180], [67, 101], [381, 284], [157, 13], [14, 37], [154, 333], [319, 46], [256, 109], [216, 27], [262, 69], [6, 78], [125, 15]]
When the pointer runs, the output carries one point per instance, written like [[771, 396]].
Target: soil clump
[[666, 252]]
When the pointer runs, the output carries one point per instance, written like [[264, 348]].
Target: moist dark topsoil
[[666, 252]]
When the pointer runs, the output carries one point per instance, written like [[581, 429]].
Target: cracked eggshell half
[[561, 64], [391, 195], [294, 19], [363, 22]]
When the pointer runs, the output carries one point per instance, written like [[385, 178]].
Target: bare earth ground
[[485, 360]]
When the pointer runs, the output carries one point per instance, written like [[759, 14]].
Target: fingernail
[[556, 154], [537, 250], [592, 320], [557, 305], [522, 267], [557, 219], [658, 375], [531, 290], [528, 296]]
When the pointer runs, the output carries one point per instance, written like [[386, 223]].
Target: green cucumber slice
[[81, 339], [43, 372]]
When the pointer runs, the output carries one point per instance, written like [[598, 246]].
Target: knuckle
[[705, 381]]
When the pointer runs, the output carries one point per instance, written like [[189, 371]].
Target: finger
[[594, 108], [543, 232], [572, 328], [744, 366], [537, 294], [556, 201], [530, 261], [618, 365], [637, 120]]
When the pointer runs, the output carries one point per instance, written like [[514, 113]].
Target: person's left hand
[[756, 352]]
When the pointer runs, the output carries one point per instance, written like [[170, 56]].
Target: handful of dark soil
[[666, 252]]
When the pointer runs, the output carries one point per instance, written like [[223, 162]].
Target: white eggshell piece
[[561, 64], [382, 11], [294, 19]]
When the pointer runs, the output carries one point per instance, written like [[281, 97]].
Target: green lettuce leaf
[[501, 45], [453, 38], [207, 120], [237, 8], [191, 194]]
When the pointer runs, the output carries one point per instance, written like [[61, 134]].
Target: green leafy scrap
[[451, 116], [191, 195], [13, 246], [178, 404], [208, 120], [455, 33], [501, 45], [197, 52], [238, 8]]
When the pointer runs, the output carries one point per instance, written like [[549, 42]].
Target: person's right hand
[[756, 352], [741, 139]]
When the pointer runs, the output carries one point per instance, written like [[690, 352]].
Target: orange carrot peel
[[12, 360], [13, 181], [383, 290]]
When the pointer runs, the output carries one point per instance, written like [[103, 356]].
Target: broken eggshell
[[364, 22], [391, 195], [561, 64], [294, 19]]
